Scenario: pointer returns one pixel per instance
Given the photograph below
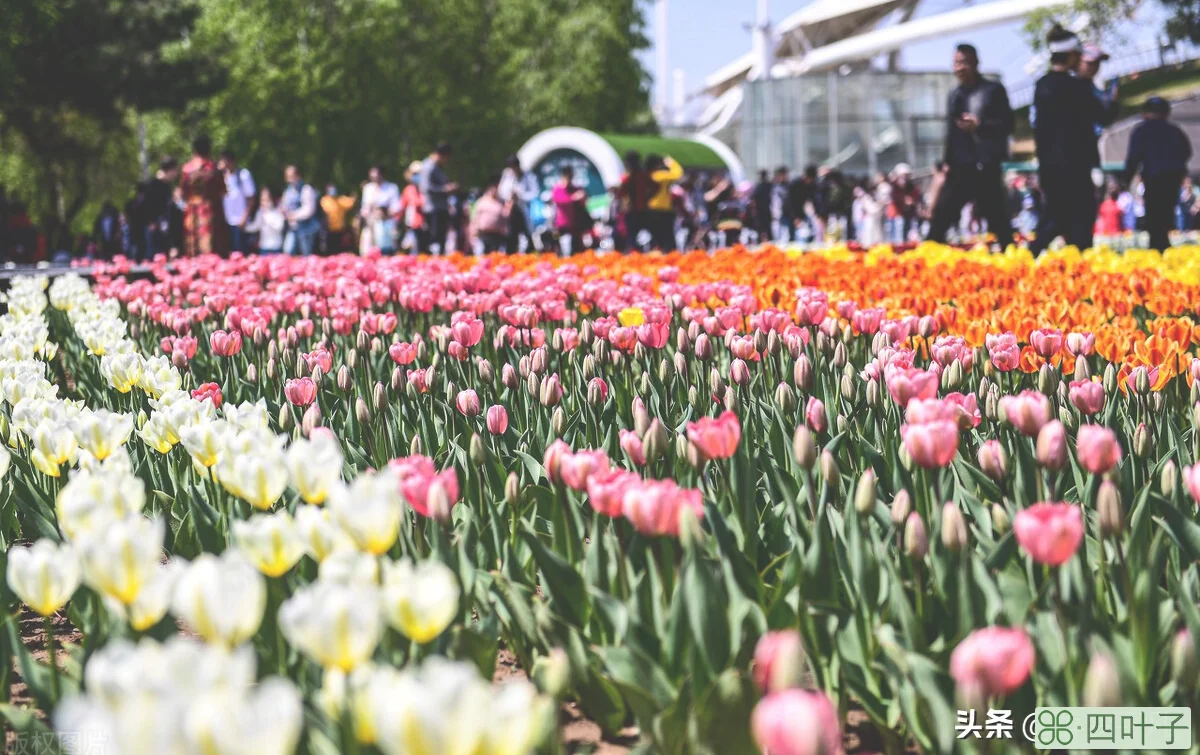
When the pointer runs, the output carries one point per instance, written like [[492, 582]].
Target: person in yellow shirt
[[664, 172], [336, 207]]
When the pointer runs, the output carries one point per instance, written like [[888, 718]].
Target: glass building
[[859, 122]]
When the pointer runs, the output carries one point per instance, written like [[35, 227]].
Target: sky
[[703, 35]]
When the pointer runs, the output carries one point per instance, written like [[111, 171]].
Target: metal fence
[[1148, 57]]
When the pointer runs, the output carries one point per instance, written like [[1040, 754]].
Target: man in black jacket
[[979, 121], [1064, 132], [1160, 151]]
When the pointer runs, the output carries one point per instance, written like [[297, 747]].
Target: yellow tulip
[[631, 316]]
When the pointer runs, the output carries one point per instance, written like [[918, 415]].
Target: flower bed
[[301, 504]]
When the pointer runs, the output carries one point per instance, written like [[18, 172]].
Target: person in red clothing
[[1108, 219], [409, 210], [570, 210]]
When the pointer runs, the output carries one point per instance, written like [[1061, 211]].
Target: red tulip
[[210, 392]]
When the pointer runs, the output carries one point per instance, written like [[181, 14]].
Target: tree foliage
[[331, 85]]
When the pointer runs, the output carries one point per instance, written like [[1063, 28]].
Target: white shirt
[[239, 189], [269, 224], [384, 194]]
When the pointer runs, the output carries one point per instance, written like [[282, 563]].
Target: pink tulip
[[300, 392], [1049, 532], [966, 410], [551, 391], [552, 460], [319, 358], [1191, 479], [497, 419], [1027, 411], [466, 330], [574, 469], [653, 335], [921, 410], [867, 321], [467, 402], [742, 347], [210, 392], [796, 722], [716, 438], [904, 385], [1051, 445], [1081, 344], [653, 506], [777, 657], [457, 351], [1046, 341], [739, 373], [599, 385], [814, 415], [631, 444], [418, 379], [1087, 395], [1097, 449], [225, 343], [993, 460], [846, 309], [992, 662], [403, 353], [931, 444], [417, 476], [812, 306], [606, 490], [1004, 351]]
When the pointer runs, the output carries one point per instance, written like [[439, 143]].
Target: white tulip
[[118, 560], [347, 566], [420, 601], [369, 510], [320, 533], [92, 498], [316, 466], [100, 432], [44, 576], [221, 598], [336, 625], [153, 600], [270, 541]]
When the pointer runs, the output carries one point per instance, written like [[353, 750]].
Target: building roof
[[688, 153]]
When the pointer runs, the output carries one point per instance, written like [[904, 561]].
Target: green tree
[[71, 71]]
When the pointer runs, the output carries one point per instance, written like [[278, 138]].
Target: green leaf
[[707, 609], [563, 585], [723, 713], [30, 734]]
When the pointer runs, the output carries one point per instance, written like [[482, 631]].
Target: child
[[1108, 219], [383, 232], [269, 223]]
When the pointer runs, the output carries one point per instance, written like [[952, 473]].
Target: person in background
[[107, 232], [618, 230], [685, 211], [336, 209], [416, 235], [436, 189], [635, 195], [1159, 152], [157, 224], [1065, 136], [568, 200], [203, 191], [383, 232], [663, 172], [979, 121], [239, 194], [906, 203], [780, 210], [490, 219], [1185, 212], [761, 206], [881, 190], [800, 205], [518, 188], [1089, 68], [269, 223], [300, 207]]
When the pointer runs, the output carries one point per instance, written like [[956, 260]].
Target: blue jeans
[[300, 242], [237, 239]]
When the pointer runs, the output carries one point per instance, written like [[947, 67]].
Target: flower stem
[[52, 655]]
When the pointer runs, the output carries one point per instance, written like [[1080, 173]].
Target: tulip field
[[746, 502]]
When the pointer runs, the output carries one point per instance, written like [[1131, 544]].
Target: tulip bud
[[537, 361], [681, 364], [1168, 478], [682, 341], [1069, 419], [1194, 393], [379, 398], [1047, 380], [1110, 379], [879, 341], [415, 446], [533, 385], [1102, 683], [802, 373], [848, 385], [681, 445], [956, 376], [1142, 442], [1108, 507], [804, 448], [1141, 380], [601, 349], [760, 341], [905, 457], [525, 366], [654, 444], [864, 493], [993, 460], [397, 380], [824, 343], [693, 456], [839, 355], [785, 398], [135, 331], [376, 345], [558, 422], [552, 673], [829, 469], [178, 360], [664, 371], [901, 506], [640, 353], [954, 528], [690, 532], [362, 412], [487, 373], [985, 386], [140, 421], [251, 373], [586, 334], [716, 383], [641, 418], [916, 540], [317, 375], [644, 383], [284, 419], [695, 399], [476, 451], [311, 419], [352, 358], [1184, 667], [739, 373], [874, 397], [1083, 373], [774, 346], [343, 379], [731, 401], [437, 501], [703, 348], [693, 330], [991, 407], [1196, 414], [1052, 446], [512, 489], [589, 367]]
